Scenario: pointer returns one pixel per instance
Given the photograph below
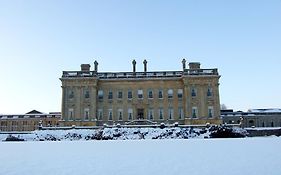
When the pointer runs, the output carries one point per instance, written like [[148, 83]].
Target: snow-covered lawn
[[257, 156]]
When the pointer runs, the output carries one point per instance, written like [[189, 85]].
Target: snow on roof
[[265, 110], [34, 112]]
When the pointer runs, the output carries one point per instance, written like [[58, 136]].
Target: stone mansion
[[189, 96]]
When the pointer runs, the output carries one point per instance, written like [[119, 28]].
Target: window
[[180, 93], [110, 95], [180, 113], [130, 114], [130, 94], [150, 114], [194, 112], [171, 113], [109, 114], [210, 111], [160, 94], [87, 94], [193, 92], [209, 92], [150, 94], [119, 94], [86, 113], [161, 114], [140, 94], [120, 114], [100, 94], [100, 114], [70, 114], [170, 93], [71, 94]]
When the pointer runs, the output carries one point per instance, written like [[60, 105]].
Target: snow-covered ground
[[126, 134], [258, 156]]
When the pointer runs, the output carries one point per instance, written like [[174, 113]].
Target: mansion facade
[[92, 98]]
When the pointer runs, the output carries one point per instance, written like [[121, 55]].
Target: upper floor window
[[71, 94], [100, 94], [87, 94], [193, 92], [160, 94], [180, 93], [140, 94], [150, 94], [209, 92], [120, 94], [110, 95], [170, 93], [130, 94]]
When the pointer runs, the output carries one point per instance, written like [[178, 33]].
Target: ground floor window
[[161, 114], [210, 112], [130, 114], [100, 114], [86, 113], [194, 112], [120, 114], [110, 114], [171, 113], [70, 114], [180, 113], [150, 114]]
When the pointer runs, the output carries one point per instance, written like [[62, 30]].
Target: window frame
[[140, 94], [170, 93]]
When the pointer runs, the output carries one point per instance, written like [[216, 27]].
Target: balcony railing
[[126, 75]]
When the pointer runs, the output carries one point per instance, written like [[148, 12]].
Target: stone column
[[93, 111], [63, 103], [77, 112]]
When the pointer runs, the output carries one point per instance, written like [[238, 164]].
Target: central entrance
[[140, 113]]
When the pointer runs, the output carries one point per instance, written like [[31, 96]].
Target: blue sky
[[40, 39]]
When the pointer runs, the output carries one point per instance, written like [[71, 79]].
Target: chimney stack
[[85, 67], [134, 66], [145, 65], [194, 65]]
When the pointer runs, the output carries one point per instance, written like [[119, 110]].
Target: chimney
[[85, 67], [194, 65], [134, 66], [96, 66], [145, 65], [183, 64]]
